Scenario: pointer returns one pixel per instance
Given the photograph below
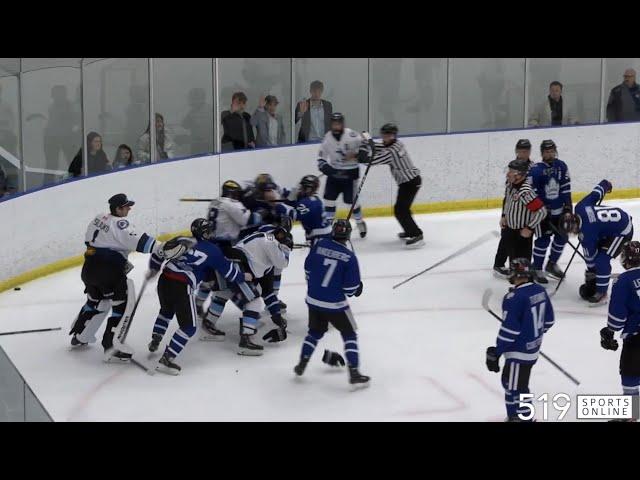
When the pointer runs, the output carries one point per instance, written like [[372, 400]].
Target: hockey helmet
[[283, 236], [630, 255], [341, 230], [309, 185], [390, 128], [231, 189], [520, 268], [201, 228]]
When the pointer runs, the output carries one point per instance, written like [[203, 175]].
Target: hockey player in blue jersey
[[551, 181], [332, 275], [603, 230], [624, 317], [304, 205], [180, 277], [527, 315]]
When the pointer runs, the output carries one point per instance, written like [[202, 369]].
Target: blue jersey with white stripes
[[552, 183], [527, 314], [332, 275], [624, 307], [600, 223], [200, 263], [310, 212]]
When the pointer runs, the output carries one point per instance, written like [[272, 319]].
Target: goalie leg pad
[[88, 334]]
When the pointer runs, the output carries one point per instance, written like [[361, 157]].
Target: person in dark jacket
[[96, 158], [313, 115], [624, 100], [124, 157], [236, 124]]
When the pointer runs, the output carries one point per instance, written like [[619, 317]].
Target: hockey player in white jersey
[[109, 239], [338, 160], [259, 254]]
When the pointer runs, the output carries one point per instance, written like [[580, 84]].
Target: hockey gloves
[[606, 339], [492, 360], [606, 186], [358, 292], [328, 170], [333, 358]]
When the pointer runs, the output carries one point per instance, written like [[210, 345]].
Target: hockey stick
[[485, 304], [301, 245], [477, 242], [364, 177], [564, 274], [31, 331], [553, 227], [280, 200]]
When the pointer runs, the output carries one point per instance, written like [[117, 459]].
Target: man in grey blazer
[[268, 124], [313, 115]]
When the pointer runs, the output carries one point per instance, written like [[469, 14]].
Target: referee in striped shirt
[[523, 211], [393, 153]]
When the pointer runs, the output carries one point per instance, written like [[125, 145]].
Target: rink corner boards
[[432, 207]]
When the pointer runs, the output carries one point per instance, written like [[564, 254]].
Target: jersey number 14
[[537, 314]]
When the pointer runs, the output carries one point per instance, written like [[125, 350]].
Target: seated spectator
[[97, 160], [313, 114], [236, 125], [624, 100], [199, 122], [124, 157], [553, 111], [164, 143], [269, 124]]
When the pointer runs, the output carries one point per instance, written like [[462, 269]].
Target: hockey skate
[[403, 236], [539, 277], [357, 380], [283, 307], [553, 270], [248, 348], [598, 300], [113, 355], [415, 242], [166, 365], [362, 228], [301, 366], [211, 333], [77, 344], [156, 338], [501, 272]]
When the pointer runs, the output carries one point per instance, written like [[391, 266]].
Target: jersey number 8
[[606, 215]]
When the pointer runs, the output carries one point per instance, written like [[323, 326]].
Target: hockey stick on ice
[[31, 331], [564, 274], [364, 177], [477, 242], [485, 304], [553, 227]]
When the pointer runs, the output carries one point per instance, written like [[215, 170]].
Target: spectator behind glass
[[313, 114], [124, 157], [624, 100], [199, 122], [96, 158], [236, 125], [4, 190], [554, 110], [164, 143], [269, 124], [59, 134], [8, 137]]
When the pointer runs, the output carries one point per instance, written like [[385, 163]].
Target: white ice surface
[[423, 344]]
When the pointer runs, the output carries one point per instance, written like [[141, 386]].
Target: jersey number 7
[[332, 268]]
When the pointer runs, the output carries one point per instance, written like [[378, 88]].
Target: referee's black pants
[[517, 246], [407, 192], [502, 254]]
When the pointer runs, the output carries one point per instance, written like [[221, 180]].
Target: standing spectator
[[124, 157], [236, 124], [199, 122], [269, 124], [59, 134], [624, 100], [554, 111], [96, 158], [164, 143], [314, 114]]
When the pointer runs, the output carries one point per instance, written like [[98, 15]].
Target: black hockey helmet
[[548, 145], [283, 236], [284, 221], [391, 128], [523, 144], [569, 223], [309, 185], [519, 165], [630, 255], [341, 230], [265, 182], [201, 228], [119, 200], [231, 189], [520, 268]]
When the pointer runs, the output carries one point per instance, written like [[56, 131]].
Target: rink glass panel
[[10, 124], [51, 118], [256, 77], [580, 78], [487, 93], [183, 95], [410, 92], [345, 86], [116, 102]]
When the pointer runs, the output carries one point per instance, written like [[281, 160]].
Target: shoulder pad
[[122, 224]]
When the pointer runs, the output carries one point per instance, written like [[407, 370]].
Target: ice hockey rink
[[423, 344]]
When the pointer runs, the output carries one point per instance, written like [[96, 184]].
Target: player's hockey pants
[[542, 243], [515, 381]]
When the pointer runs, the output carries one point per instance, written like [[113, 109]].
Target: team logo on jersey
[[122, 224]]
